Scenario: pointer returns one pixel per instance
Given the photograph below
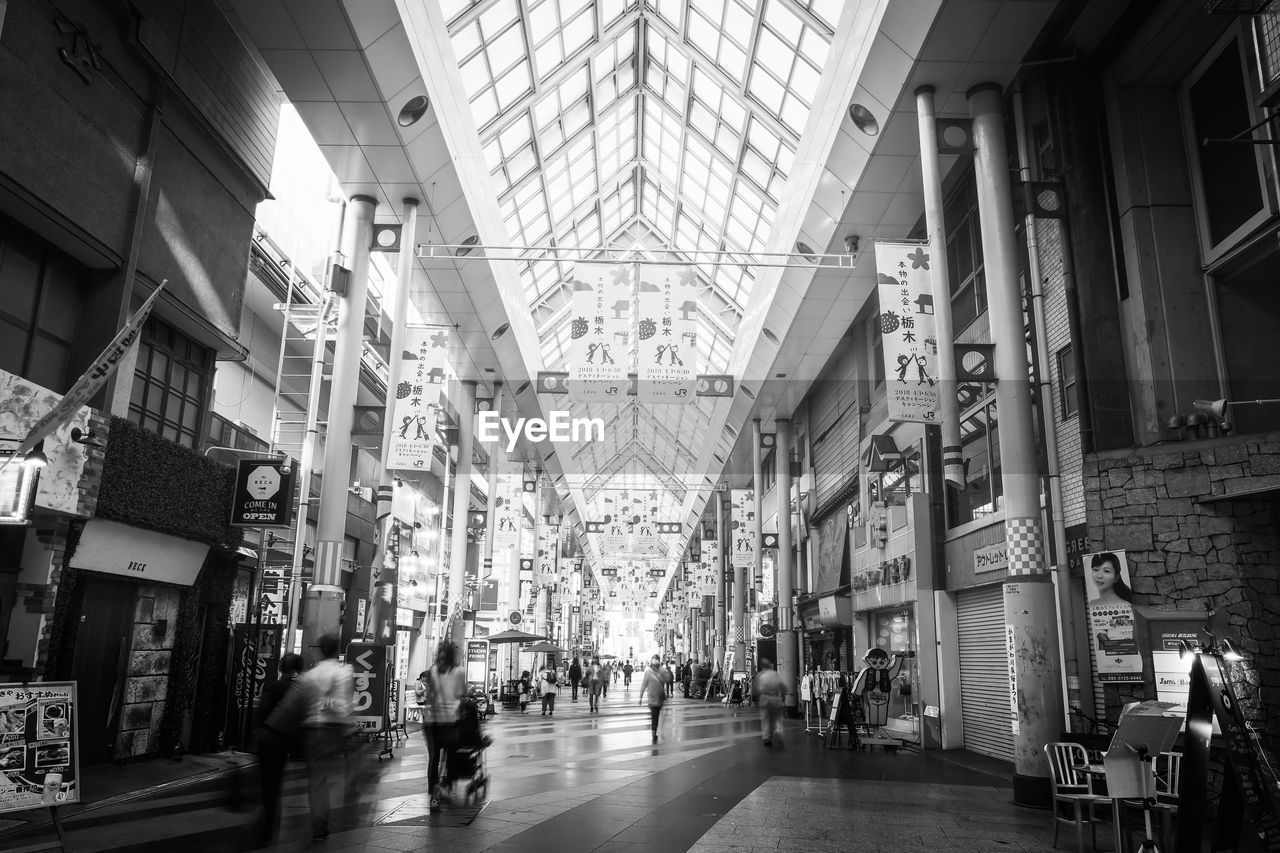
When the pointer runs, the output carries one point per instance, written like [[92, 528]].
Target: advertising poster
[[477, 664], [369, 707], [832, 538], [1111, 622], [1172, 671], [907, 332], [412, 410], [666, 334], [599, 341], [255, 660], [742, 519], [39, 746]]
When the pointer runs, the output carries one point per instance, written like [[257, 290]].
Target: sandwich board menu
[[39, 752]]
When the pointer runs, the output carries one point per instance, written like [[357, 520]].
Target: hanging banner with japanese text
[[666, 334], [508, 509], [1111, 623], [412, 409], [742, 529], [910, 344], [369, 700], [599, 344], [547, 559], [707, 567]]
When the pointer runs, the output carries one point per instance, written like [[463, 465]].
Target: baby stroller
[[483, 702], [467, 759]]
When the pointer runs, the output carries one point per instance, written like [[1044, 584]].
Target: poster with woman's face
[[1106, 578]]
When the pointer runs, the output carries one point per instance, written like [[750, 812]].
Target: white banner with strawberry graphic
[[599, 342], [907, 332], [412, 409], [666, 334]]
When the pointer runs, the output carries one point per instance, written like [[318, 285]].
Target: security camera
[[286, 470]]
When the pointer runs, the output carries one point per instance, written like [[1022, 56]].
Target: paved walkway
[[594, 783]]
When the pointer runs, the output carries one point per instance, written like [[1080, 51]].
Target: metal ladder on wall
[[300, 372]]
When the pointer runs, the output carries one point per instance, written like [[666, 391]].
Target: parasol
[[514, 636]]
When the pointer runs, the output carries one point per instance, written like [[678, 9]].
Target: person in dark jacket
[[278, 728], [575, 677]]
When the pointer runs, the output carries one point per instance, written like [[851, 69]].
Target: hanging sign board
[[666, 334], [264, 493], [369, 704], [412, 407], [599, 333], [39, 745], [742, 521], [910, 343]]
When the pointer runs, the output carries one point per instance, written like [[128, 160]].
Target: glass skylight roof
[[671, 123]]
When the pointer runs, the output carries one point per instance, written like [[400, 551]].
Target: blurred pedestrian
[[652, 684], [525, 688], [607, 672], [547, 681], [627, 669], [281, 710], [575, 677], [668, 680], [768, 694], [594, 683], [330, 687], [447, 687]]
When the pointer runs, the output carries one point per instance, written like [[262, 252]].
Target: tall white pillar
[[1029, 605], [788, 644], [322, 608], [466, 406], [719, 629], [386, 566]]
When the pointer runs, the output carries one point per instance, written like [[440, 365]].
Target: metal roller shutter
[[984, 679], [835, 428]]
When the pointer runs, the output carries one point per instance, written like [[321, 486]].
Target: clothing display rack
[[820, 686]]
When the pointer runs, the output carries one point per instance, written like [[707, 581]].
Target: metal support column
[[1029, 606], [788, 645], [718, 631], [322, 608], [466, 406], [386, 566]]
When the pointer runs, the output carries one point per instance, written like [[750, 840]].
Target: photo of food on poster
[[1111, 617], [38, 751]]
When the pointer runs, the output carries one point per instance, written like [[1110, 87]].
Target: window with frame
[[224, 433], [1229, 180], [1066, 383], [983, 494], [964, 257], [41, 294], [170, 383]]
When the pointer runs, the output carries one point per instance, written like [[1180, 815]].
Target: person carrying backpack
[[547, 681]]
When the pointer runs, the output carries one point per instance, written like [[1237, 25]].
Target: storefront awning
[[145, 555]]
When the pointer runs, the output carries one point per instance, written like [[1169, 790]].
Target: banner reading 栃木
[[706, 567], [742, 518], [666, 334], [39, 745], [412, 409], [599, 343], [910, 344], [508, 509], [548, 556]]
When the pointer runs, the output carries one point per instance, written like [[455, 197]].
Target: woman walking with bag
[[445, 686], [280, 712], [654, 686]]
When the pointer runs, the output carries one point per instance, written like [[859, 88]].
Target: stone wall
[[147, 683], [1188, 553]]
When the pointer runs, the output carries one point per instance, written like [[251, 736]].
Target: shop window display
[[892, 672]]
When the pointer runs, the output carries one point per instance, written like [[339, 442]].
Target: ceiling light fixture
[[851, 244], [414, 109], [803, 249], [863, 119], [499, 332], [36, 458], [769, 335], [465, 249]]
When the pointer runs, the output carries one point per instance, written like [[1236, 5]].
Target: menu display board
[[39, 746]]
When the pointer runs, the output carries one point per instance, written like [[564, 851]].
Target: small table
[[1097, 775]]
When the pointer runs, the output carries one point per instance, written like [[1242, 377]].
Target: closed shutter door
[[984, 672], [835, 430]]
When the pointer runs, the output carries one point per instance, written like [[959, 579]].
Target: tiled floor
[[594, 783]]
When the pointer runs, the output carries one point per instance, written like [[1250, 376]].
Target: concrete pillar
[[322, 607], [788, 644], [486, 561], [386, 566], [720, 629], [466, 406], [940, 279], [1029, 606]]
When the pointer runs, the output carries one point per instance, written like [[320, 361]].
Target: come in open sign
[[264, 493]]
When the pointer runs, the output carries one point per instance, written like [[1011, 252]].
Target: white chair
[[1071, 788]]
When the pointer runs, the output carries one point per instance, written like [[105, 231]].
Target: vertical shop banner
[[645, 534], [832, 537], [412, 409], [742, 529], [706, 567], [508, 509], [599, 340], [369, 705], [39, 745], [666, 334], [910, 343], [1111, 624], [548, 542]]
